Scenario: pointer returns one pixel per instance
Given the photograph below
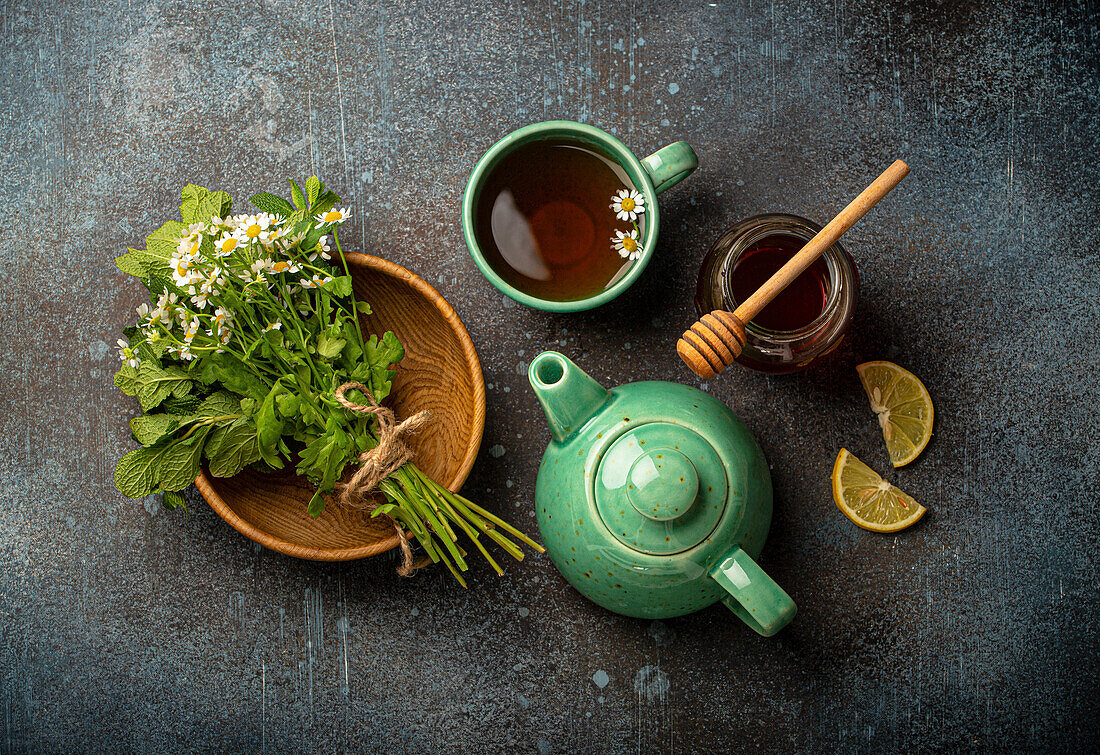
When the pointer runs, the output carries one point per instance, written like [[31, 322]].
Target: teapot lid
[[660, 488]]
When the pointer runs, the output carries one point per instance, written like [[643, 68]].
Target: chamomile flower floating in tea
[[626, 244], [628, 204], [219, 377]]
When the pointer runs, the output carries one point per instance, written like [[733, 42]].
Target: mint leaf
[[216, 204], [316, 505], [183, 405], [219, 404], [313, 189], [231, 447], [148, 429], [178, 465], [173, 500], [126, 380], [131, 265], [135, 475], [325, 202], [156, 383], [191, 196], [268, 202], [162, 243], [297, 196]]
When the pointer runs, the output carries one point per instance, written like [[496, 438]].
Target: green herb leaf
[[316, 505], [173, 500], [148, 429], [324, 458], [269, 427], [181, 405], [363, 307], [162, 243], [191, 196], [339, 286], [178, 465], [231, 447], [214, 205], [156, 384], [131, 265], [313, 189], [135, 475], [126, 380], [330, 347], [219, 404], [296, 195], [268, 202]]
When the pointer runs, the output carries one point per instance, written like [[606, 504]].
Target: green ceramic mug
[[651, 175]]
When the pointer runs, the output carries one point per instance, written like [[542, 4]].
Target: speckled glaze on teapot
[[654, 499]]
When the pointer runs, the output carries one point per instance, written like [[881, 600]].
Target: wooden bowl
[[440, 373]]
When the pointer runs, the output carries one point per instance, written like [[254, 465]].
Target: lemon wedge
[[870, 501], [903, 407]]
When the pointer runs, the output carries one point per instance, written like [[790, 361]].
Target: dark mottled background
[[125, 628]]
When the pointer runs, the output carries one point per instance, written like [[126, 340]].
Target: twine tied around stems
[[380, 462]]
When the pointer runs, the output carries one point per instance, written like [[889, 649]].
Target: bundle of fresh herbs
[[250, 329]]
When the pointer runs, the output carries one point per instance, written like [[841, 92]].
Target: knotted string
[[380, 462]]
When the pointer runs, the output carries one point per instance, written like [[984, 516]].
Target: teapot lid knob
[[662, 484]]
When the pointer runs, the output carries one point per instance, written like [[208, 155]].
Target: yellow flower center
[[630, 244], [333, 215], [181, 267], [627, 204], [229, 245], [280, 267], [253, 231]]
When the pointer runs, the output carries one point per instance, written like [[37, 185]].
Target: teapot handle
[[753, 595]]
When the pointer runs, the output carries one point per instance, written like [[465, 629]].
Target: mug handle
[[753, 595], [670, 165]]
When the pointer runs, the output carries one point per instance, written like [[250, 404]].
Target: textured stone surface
[[124, 628]]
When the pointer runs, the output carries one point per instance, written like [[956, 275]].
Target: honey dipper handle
[[824, 239], [715, 340]]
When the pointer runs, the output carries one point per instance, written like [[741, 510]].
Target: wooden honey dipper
[[715, 340]]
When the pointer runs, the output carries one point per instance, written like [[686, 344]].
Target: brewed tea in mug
[[544, 220]]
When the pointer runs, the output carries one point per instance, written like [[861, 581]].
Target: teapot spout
[[567, 394]]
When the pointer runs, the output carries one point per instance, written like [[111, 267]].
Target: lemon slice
[[870, 501], [903, 406]]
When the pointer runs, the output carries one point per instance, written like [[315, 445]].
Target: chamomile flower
[[167, 302], [273, 326], [628, 204], [255, 227], [183, 270], [323, 250], [191, 330], [333, 216], [224, 246], [212, 281], [222, 317], [127, 354], [200, 299], [142, 311], [188, 247], [316, 281], [626, 244], [282, 266]]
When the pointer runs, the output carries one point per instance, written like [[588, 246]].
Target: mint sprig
[[251, 325]]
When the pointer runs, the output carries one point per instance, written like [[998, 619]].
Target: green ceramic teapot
[[654, 499]]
